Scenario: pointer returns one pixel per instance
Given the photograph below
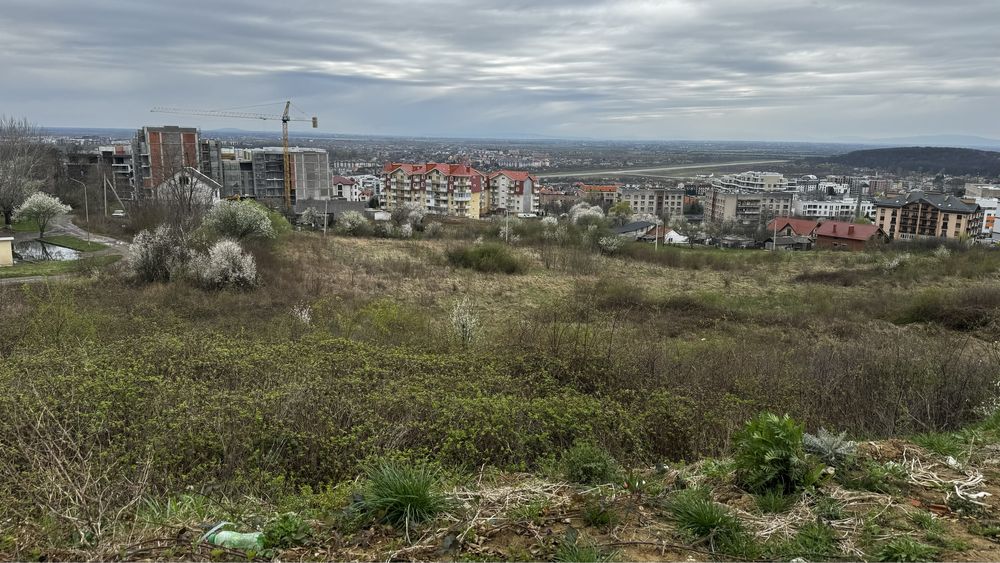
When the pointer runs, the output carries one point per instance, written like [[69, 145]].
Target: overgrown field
[[357, 352]]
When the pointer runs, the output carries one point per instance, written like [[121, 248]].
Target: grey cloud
[[644, 69]]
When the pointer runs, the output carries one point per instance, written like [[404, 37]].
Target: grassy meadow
[[348, 356]]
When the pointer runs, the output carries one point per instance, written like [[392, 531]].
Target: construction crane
[[284, 117]]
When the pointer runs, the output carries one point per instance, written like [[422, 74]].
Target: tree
[[22, 158], [620, 212], [239, 220], [41, 208]]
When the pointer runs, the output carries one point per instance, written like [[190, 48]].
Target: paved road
[[653, 171]]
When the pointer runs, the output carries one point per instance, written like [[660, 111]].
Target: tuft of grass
[[829, 509], [774, 502], [940, 443], [287, 530], [577, 552], [905, 548], [814, 541], [402, 495], [702, 518], [488, 258], [588, 464], [600, 514]]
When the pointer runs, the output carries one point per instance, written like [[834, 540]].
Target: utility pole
[[86, 205], [105, 190], [326, 215]]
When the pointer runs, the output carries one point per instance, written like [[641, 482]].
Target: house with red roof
[[345, 188], [841, 235], [791, 226], [514, 191]]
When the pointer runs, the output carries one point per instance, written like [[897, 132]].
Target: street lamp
[[86, 204]]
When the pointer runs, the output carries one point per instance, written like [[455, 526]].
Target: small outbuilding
[[6, 251], [790, 242]]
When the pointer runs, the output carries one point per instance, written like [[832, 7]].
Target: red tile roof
[[845, 230], [516, 175], [590, 188], [342, 180], [803, 227], [424, 168]]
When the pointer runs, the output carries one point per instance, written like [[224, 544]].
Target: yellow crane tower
[[284, 117]]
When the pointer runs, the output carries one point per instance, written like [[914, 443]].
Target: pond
[[34, 251]]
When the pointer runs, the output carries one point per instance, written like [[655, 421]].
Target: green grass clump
[[588, 464], [940, 443], [769, 456], [402, 495], [488, 257], [74, 243], [813, 542], [579, 552], [905, 548], [600, 514], [55, 267], [774, 502], [706, 520]]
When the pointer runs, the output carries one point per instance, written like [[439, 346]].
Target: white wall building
[[754, 181], [990, 206], [513, 190], [832, 209]]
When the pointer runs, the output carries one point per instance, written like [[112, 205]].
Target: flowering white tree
[[352, 223], [239, 220], [610, 244], [464, 322], [584, 210], [311, 216], [41, 208], [155, 255], [550, 222], [225, 266]]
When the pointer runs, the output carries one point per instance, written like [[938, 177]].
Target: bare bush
[[464, 322]]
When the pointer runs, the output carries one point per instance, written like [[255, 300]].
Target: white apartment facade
[[753, 181], [833, 209]]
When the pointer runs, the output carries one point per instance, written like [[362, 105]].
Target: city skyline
[[776, 70]]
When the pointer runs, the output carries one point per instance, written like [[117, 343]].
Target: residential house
[[345, 188], [841, 235], [665, 234], [790, 226], [928, 215], [789, 242], [633, 230], [189, 186], [514, 191]]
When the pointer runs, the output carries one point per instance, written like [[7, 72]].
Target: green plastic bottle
[[244, 541]]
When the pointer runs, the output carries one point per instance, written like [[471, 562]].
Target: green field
[[56, 267], [356, 354]]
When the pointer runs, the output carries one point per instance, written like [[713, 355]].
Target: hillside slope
[[932, 160]]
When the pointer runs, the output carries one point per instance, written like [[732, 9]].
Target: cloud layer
[[669, 69]]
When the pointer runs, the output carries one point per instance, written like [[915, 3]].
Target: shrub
[[588, 464], [769, 456], [406, 230], [610, 244], [240, 220], [433, 230], [464, 322], [402, 495], [487, 257], [833, 449], [287, 530], [155, 256], [225, 266], [352, 223], [550, 222]]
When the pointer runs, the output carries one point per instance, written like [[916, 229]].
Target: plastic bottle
[[234, 540]]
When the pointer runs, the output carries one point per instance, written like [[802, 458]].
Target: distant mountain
[[947, 160], [969, 141]]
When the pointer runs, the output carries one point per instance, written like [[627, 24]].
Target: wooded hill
[[953, 161]]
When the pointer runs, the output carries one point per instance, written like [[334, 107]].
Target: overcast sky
[[672, 69]]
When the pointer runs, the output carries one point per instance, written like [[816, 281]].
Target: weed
[[532, 511], [579, 552], [588, 464], [905, 548], [940, 443], [834, 449], [402, 495], [829, 509], [488, 257], [287, 530], [769, 456], [704, 519], [814, 541], [774, 502], [600, 514], [882, 477]]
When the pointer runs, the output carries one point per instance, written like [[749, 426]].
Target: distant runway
[[654, 171]]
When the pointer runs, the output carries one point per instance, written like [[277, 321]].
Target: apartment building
[[922, 215], [514, 191], [989, 206], [310, 173], [442, 189], [599, 193], [160, 152], [658, 201], [845, 208], [982, 190], [746, 207], [754, 181]]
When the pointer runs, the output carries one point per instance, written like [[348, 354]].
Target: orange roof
[[589, 188], [802, 227]]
